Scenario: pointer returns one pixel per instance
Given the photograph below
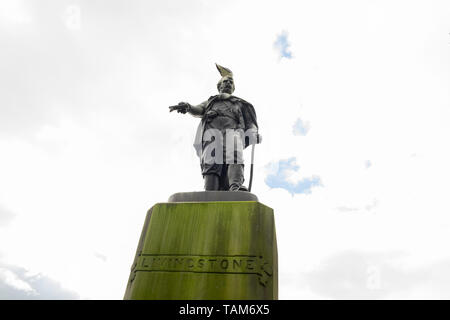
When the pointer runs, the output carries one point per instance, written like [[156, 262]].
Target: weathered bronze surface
[[228, 125]]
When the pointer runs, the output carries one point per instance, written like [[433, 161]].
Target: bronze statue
[[228, 125]]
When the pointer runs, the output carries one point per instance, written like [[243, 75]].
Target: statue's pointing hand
[[182, 107]]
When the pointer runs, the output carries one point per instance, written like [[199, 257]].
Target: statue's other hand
[[211, 114], [258, 138]]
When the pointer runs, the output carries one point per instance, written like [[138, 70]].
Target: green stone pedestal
[[220, 250]]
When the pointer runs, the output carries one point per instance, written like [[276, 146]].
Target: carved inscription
[[240, 264]]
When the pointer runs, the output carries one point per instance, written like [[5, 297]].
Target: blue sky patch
[[301, 127], [278, 178], [282, 45]]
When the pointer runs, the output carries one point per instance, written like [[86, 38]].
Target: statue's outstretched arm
[[183, 107], [198, 110]]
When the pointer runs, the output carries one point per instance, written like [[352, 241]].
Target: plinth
[[212, 245]]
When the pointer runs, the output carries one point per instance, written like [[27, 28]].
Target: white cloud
[[10, 279], [17, 283]]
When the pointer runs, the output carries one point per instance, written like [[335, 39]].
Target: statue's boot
[[211, 182], [235, 176]]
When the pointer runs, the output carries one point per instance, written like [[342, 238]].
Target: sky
[[353, 104]]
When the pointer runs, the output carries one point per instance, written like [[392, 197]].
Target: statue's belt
[[220, 114]]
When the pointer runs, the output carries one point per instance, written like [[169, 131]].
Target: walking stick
[[251, 169]]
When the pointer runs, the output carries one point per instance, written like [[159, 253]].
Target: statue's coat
[[248, 112]]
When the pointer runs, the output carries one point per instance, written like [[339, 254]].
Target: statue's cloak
[[248, 112]]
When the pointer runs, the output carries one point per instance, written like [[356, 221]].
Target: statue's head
[[226, 83]]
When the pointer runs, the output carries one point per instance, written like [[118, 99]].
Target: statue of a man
[[228, 125]]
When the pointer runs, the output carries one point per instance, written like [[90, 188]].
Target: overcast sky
[[353, 103]]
